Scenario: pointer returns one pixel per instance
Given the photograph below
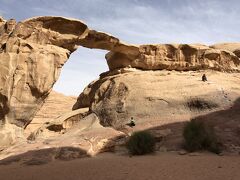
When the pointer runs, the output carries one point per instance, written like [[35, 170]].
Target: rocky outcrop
[[179, 57], [30, 64], [232, 47], [159, 101], [158, 97], [55, 106], [32, 53]]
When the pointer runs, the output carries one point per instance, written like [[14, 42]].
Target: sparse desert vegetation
[[140, 143], [200, 136]]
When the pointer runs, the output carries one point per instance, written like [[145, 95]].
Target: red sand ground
[[108, 166]]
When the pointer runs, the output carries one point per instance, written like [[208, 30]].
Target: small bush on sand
[[141, 143], [199, 136]]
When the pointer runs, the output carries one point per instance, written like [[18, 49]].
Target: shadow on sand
[[43, 156]]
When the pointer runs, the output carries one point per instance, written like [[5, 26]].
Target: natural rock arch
[[32, 53]]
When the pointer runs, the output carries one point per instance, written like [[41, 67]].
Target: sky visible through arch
[[133, 21]]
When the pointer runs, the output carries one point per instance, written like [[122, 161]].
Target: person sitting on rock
[[204, 77], [131, 123]]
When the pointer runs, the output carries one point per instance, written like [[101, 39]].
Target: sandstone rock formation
[[54, 107], [164, 96], [176, 57], [165, 100], [159, 101], [32, 53], [233, 47]]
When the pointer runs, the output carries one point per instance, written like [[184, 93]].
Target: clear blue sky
[[133, 21]]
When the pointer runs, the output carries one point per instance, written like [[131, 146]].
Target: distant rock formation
[[180, 57], [32, 53], [232, 47]]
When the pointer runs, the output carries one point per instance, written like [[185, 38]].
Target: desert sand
[[109, 166]]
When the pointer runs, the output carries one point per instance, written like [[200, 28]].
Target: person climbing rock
[[204, 77], [131, 123]]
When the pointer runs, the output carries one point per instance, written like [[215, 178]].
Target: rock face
[[176, 57], [32, 53], [164, 101], [30, 64], [233, 47], [159, 101], [158, 96], [54, 106]]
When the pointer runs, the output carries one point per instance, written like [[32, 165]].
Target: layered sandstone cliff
[[159, 101], [177, 57], [32, 53]]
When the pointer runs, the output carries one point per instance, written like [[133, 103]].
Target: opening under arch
[[83, 66]]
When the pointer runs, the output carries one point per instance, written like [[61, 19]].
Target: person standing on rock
[[204, 77]]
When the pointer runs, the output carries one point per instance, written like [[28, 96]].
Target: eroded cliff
[[32, 53]]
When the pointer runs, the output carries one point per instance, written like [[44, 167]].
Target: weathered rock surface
[[55, 105], [75, 143], [30, 64], [176, 57], [233, 47], [161, 100], [32, 53], [163, 96]]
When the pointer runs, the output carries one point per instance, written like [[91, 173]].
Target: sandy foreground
[[115, 167]]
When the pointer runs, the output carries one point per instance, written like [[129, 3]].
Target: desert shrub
[[141, 143], [200, 136]]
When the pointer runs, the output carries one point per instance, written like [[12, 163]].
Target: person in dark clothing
[[204, 77], [131, 123]]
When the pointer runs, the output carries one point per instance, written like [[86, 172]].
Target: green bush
[[199, 136], [141, 143]]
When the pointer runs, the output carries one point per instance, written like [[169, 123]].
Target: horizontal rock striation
[[177, 57]]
